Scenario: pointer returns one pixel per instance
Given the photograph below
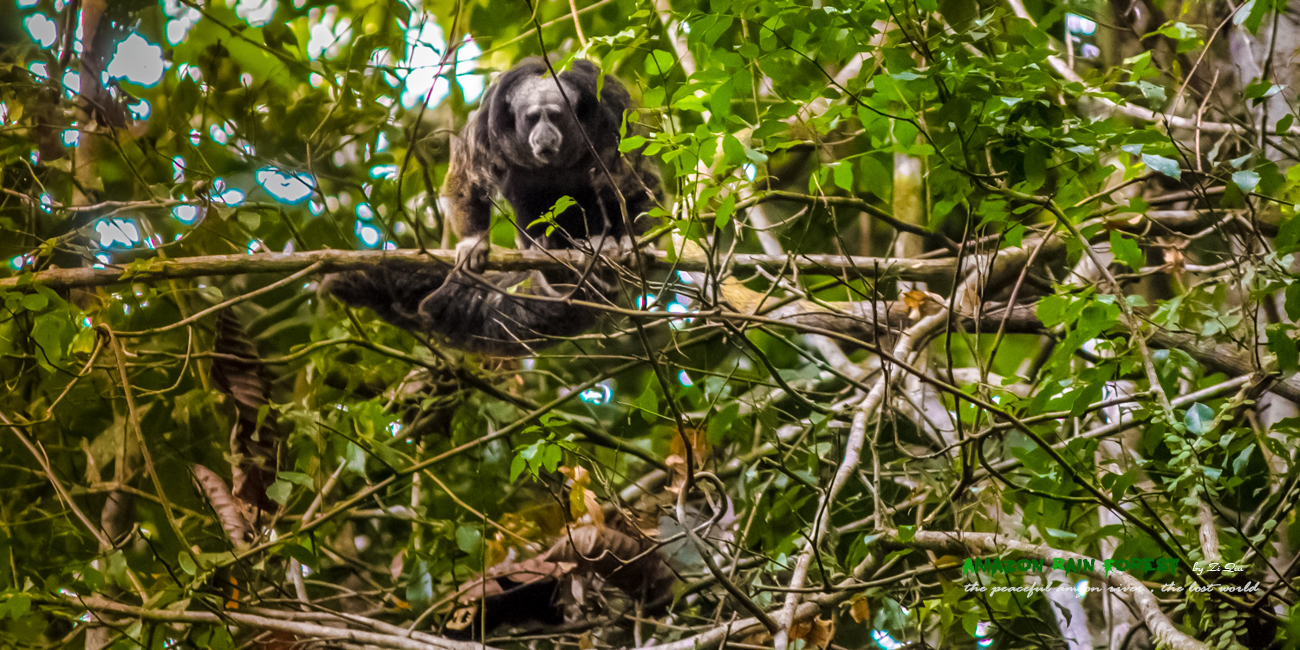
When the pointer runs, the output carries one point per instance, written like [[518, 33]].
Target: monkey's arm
[[467, 192]]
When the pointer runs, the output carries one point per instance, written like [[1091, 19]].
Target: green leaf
[[279, 491], [299, 478], [1126, 251], [419, 585], [631, 143], [186, 562], [1242, 460], [299, 552], [355, 458], [1282, 345], [1199, 419], [1293, 301], [1166, 166], [1035, 166], [721, 422], [277, 35], [843, 174], [19, 605], [35, 302], [183, 100], [1246, 180], [1288, 234], [725, 210], [648, 404], [659, 63], [468, 538], [52, 333]]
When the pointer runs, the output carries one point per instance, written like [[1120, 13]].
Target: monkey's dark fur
[[526, 141]]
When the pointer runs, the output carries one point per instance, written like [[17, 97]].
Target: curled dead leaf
[[818, 632]]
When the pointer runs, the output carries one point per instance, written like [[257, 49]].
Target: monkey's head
[[527, 122], [543, 119]]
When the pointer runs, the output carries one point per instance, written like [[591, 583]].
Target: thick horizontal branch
[[856, 320], [391, 636], [500, 259]]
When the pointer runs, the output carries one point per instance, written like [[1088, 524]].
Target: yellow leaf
[[578, 501], [860, 610]]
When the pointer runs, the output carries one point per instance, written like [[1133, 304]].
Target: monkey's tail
[[497, 313]]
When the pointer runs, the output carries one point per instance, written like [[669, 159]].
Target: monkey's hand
[[472, 252]]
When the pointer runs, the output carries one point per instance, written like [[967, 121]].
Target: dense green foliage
[[1140, 219]]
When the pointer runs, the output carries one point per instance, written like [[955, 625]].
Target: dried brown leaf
[[818, 632]]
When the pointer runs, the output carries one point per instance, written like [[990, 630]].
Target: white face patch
[[535, 91], [541, 116]]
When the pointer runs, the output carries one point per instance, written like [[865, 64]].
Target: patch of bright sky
[[388, 172], [286, 188], [184, 18], [425, 45], [39, 70], [599, 394], [141, 110], [220, 133], [187, 70], [28, 4], [1077, 24], [230, 197], [186, 214], [117, 232], [328, 32], [678, 308], [71, 82], [368, 234], [42, 29], [137, 60], [885, 641], [71, 137], [256, 12]]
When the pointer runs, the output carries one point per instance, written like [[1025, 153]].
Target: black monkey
[[535, 141]]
